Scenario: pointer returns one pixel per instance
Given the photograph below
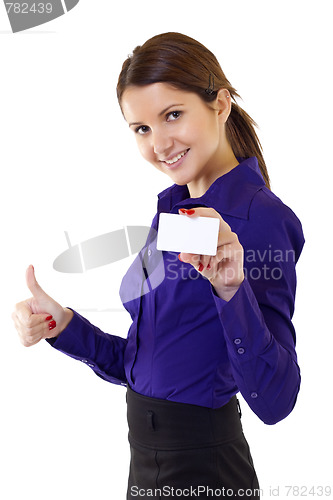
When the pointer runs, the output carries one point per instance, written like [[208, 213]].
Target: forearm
[[226, 293], [265, 371], [102, 352]]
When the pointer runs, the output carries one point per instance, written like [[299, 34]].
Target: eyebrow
[[159, 114]]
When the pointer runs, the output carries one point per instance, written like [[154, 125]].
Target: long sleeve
[[256, 322], [266, 372], [102, 352], [185, 343]]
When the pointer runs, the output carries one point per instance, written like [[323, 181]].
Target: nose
[[162, 142]]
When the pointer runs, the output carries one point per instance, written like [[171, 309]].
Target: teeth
[[176, 158]]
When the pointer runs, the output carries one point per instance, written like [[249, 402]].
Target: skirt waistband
[[168, 425]]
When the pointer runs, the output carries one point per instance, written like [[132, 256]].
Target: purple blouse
[[185, 343]]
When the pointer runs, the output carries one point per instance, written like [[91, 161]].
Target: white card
[[179, 233]]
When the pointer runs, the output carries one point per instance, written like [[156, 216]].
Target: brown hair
[[188, 65]]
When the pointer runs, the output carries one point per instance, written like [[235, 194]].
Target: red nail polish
[[48, 318], [52, 324], [180, 258], [183, 210], [209, 266], [190, 212], [200, 267]]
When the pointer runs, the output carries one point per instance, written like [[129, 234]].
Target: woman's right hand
[[39, 317]]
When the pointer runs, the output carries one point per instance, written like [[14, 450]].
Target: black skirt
[[186, 451]]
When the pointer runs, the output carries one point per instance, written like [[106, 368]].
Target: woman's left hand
[[225, 269]]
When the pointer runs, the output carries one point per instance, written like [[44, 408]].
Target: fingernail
[[209, 266], [200, 267], [183, 210], [190, 212], [48, 318], [52, 325], [180, 258]]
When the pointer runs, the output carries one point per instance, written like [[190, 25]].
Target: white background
[[69, 163]]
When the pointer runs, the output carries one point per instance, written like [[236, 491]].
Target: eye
[[142, 130], [174, 115]]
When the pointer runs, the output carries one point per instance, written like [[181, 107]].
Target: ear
[[223, 104]]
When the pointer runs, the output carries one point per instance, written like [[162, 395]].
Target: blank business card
[[179, 233]]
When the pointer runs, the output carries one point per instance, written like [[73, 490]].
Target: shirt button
[[91, 365], [84, 361], [237, 341], [254, 395], [149, 252], [241, 350]]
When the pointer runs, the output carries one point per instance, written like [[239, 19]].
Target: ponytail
[[243, 139]]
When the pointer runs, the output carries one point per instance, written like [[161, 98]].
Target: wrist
[[66, 319], [62, 322], [227, 292]]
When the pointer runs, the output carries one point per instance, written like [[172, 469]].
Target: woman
[[204, 327]]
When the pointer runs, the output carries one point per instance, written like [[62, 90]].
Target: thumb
[[32, 284]]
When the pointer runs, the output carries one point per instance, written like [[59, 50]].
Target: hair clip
[[210, 89]]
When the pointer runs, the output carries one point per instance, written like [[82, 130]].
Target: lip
[[178, 162]]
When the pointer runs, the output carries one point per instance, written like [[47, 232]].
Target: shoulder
[[271, 220], [267, 206]]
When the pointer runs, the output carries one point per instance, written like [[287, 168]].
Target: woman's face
[[177, 132]]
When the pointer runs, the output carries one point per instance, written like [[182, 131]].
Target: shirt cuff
[[100, 351], [74, 339], [244, 327]]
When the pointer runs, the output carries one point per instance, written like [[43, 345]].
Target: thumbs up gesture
[[39, 317]]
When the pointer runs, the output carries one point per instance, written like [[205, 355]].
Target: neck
[[198, 187]]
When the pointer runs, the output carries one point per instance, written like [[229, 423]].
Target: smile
[[176, 158]]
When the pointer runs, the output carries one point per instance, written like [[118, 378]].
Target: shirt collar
[[230, 194]]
